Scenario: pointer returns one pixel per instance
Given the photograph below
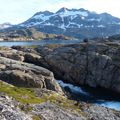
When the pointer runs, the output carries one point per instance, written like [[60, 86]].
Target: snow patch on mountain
[[73, 13], [42, 16], [94, 19], [102, 26], [5, 25]]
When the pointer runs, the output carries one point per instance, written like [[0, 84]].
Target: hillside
[[16, 34], [5, 25]]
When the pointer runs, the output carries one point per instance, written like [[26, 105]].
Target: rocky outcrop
[[94, 64], [9, 111], [12, 110], [52, 112], [95, 112], [12, 54], [27, 75]]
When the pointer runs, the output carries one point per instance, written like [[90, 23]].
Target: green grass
[[83, 49], [35, 117], [22, 95], [27, 97]]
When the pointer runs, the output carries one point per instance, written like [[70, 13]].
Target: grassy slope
[[28, 96]]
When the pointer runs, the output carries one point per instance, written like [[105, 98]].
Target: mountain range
[[5, 25], [77, 23]]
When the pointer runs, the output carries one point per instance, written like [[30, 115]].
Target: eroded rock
[[9, 110], [87, 64], [27, 75]]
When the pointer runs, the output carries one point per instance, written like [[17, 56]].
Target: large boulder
[[27, 75], [32, 58]]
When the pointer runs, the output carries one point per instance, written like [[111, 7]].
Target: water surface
[[99, 97], [36, 42]]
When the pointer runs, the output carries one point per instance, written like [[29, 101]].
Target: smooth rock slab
[[27, 75]]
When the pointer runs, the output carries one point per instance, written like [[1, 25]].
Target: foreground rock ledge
[[9, 110], [27, 75]]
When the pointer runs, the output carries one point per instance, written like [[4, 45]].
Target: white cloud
[[16, 11]]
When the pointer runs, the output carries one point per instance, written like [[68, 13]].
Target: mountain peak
[[5, 25], [82, 9], [44, 12], [64, 9]]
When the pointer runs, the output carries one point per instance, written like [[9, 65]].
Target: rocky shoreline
[[30, 72]]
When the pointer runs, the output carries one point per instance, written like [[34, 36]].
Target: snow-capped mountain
[[5, 25], [78, 23]]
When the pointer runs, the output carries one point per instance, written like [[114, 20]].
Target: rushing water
[[37, 42], [98, 97]]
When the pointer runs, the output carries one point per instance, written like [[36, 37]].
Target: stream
[[91, 95]]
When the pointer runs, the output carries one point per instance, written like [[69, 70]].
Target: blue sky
[[17, 11]]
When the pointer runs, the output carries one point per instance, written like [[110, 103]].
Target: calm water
[[90, 95], [36, 42]]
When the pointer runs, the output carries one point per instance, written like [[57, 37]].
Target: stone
[[52, 112], [29, 75], [95, 112], [9, 111], [12, 54], [92, 65]]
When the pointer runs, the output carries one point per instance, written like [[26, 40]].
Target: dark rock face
[[93, 64], [29, 75]]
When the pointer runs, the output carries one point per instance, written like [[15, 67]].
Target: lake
[[37, 42]]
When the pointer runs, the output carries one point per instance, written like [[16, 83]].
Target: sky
[[17, 11]]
